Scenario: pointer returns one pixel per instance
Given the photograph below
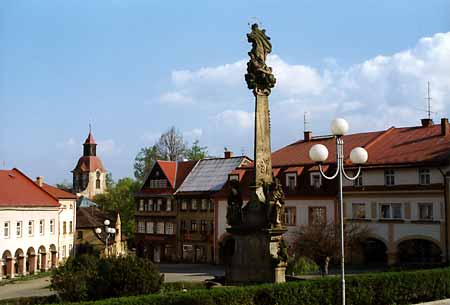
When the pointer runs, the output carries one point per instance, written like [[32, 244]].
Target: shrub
[[380, 289], [87, 277], [301, 265]]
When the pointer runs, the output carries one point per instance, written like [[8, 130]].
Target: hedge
[[378, 288]]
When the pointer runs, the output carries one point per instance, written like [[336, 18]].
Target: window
[[159, 204], [424, 176], [63, 254], [359, 210], [141, 227], [183, 225], [204, 204], [194, 204], [211, 205], [41, 226], [169, 228], [426, 211], [158, 183], [233, 177], [160, 228], [291, 181], [52, 226], [80, 234], [290, 216], [64, 227], [169, 205], [358, 181], [19, 229], [389, 177], [150, 205], [316, 180], [203, 226], [317, 215], [391, 210], [150, 227], [6, 230], [211, 227], [183, 204], [31, 227], [97, 181], [70, 227], [193, 226], [141, 205]]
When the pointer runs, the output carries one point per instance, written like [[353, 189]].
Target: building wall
[[91, 190], [25, 241], [66, 239]]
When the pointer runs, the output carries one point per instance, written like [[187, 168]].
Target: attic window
[[233, 177], [158, 183]]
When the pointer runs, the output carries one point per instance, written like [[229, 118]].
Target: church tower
[[89, 176]]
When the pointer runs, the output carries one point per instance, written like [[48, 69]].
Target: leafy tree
[[197, 152], [171, 145], [109, 181], [321, 242], [65, 185], [120, 198], [145, 160]]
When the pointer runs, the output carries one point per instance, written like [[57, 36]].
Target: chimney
[[444, 127], [307, 135], [228, 154], [40, 180], [427, 122]]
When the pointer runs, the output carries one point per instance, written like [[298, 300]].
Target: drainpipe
[[446, 214], [59, 215]]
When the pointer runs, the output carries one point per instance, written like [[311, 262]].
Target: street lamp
[[109, 231], [319, 153]]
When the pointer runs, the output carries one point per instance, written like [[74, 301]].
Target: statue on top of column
[[259, 75]]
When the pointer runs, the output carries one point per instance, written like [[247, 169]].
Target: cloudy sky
[[134, 68]]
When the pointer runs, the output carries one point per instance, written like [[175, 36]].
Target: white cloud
[[235, 119], [193, 134], [380, 92], [150, 137], [108, 147], [176, 97]]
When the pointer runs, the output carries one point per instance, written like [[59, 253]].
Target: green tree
[[120, 198], [65, 185], [109, 181], [144, 161], [197, 152]]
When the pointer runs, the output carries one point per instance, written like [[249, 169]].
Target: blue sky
[[134, 68]]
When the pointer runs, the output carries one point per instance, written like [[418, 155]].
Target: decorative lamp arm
[[354, 177], [327, 177]]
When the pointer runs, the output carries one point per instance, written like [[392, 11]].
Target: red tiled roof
[[58, 193], [183, 169], [169, 169], [90, 139], [16, 189], [394, 146], [89, 164]]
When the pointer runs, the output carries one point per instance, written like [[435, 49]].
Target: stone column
[[21, 264], [9, 267], [54, 260], [43, 266], [391, 258]]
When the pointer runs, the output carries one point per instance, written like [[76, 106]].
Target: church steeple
[[90, 147]]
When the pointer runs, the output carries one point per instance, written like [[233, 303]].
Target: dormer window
[[232, 177], [389, 177], [316, 180], [291, 181], [424, 176]]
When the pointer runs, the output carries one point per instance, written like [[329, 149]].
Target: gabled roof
[[169, 169], [58, 193], [89, 164], [91, 217], [210, 175], [17, 190]]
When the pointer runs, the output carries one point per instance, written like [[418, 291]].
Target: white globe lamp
[[98, 230], [339, 127], [318, 153], [359, 155], [106, 222]]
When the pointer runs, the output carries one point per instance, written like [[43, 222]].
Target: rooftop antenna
[[428, 98], [305, 121], [90, 126]]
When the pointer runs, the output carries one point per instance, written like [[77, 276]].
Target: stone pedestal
[[253, 256]]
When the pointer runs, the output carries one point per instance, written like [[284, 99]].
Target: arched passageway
[[19, 264], [30, 263], [413, 251], [374, 251], [42, 259], [7, 264]]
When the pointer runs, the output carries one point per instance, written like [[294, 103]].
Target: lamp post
[[319, 153], [109, 231]]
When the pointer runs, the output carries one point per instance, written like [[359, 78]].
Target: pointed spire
[[90, 138]]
